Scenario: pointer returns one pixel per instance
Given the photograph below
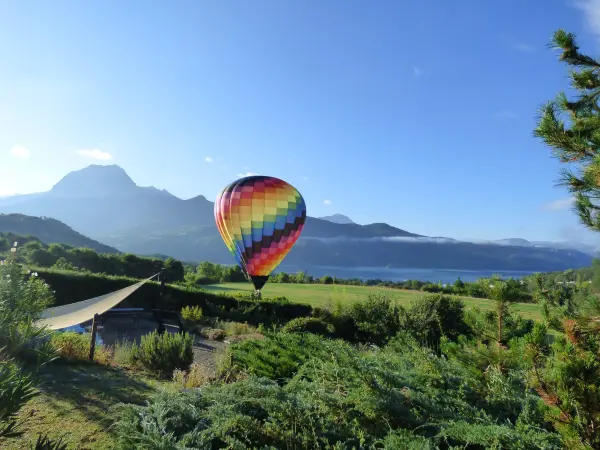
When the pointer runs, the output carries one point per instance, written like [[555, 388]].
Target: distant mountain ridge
[[49, 231], [338, 218], [104, 203]]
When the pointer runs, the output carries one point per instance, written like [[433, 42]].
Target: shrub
[[308, 325], [236, 328], [376, 319], [124, 353], [45, 443], [214, 334], [405, 398], [163, 353], [279, 356], [195, 377], [191, 313], [432, 316], [23, 297], [16, 389], [71, 345]]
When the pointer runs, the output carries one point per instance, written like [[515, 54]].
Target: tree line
[[33, 252]]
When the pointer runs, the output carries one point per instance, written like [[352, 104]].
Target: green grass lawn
[[79, 404], [320, 294]]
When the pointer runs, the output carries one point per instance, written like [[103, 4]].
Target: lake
[[384, 273]]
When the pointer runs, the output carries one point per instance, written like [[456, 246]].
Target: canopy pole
[[93, 341]]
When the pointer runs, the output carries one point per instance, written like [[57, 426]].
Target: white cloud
[[558, 205], [591, 11], [20, 152], [327, 202], [507, 115], [417, 71], [247, 174], [95, 154], [208, 159], [305, 178]]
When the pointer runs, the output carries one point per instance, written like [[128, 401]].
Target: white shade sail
[[75, 313]]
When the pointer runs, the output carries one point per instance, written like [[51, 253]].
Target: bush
[[23, 297], [376, 319], [191, 313], [214, 334], [16, 389], [71, 345], [339, 398], [279, 356], [163, 353], [432, 316], [236, 328], [308, 325], [195, 377], [124, 353]]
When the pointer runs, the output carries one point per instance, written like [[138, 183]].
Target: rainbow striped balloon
[[259, 218]]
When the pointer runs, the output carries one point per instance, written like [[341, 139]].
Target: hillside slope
[[49, 231]]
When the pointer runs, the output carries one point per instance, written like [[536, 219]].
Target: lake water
[[389, 274]]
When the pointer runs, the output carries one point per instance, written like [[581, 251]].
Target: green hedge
[[73, 287]]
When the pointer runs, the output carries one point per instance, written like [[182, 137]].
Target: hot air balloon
[[259, 218]]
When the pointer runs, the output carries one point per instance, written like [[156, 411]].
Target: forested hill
[[49, 231], [33, 252]]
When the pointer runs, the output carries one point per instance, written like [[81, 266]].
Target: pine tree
[[571, 128]]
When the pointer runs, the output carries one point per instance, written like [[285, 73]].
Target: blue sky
[[415, 113]]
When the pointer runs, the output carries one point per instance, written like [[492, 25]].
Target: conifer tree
[[571, 128]]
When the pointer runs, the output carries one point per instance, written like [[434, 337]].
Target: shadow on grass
[[92, 389]]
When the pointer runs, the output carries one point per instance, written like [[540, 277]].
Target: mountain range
[[104, 203]]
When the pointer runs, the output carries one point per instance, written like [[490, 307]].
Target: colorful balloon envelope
[[260, 219]]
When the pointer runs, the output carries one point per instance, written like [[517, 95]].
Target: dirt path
[[205, 353]]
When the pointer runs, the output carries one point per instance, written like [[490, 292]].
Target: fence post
[[93, 341]]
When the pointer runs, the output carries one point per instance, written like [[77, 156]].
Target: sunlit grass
[[321, 294]]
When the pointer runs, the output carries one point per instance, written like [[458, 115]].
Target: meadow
[[318, 295]]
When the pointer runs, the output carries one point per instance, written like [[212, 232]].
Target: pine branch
[[566, 42]]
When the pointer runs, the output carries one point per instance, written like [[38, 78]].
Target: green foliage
[[279, 356], [195, 377], [308, 325], [16, 389], [214, 334], [71, 346], [569, 373], [484, 325], [66, 257], [570, 128], [209, 273], [376, 319], [124, 353], [432, 316], [45, 443], [163, 353], [400, 397], [236, 328], [191, 313], [23, 297]]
